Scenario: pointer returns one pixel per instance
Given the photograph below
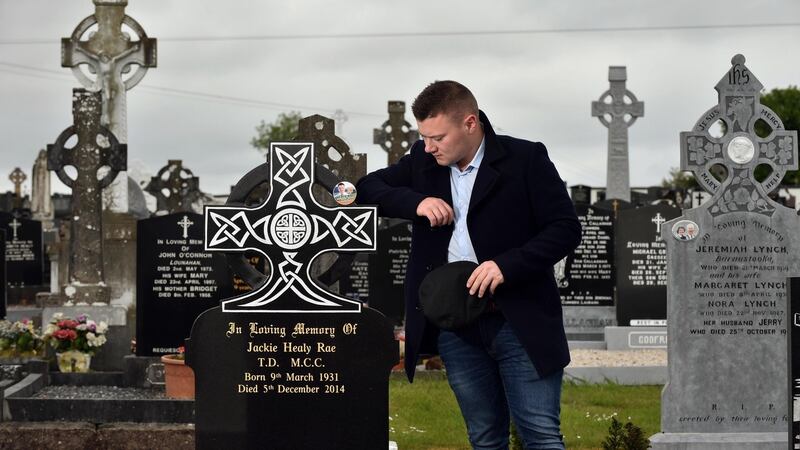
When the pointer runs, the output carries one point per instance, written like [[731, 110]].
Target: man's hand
[[485, 276], [436, 210]]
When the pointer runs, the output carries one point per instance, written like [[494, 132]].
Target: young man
[[497, 201]]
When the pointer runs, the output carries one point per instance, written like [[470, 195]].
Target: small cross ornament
[[290, 229], [395, 136], [658, 220], [14, 225], [739, 150], [185, 223]]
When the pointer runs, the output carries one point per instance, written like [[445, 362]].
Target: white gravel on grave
[[628, 358]]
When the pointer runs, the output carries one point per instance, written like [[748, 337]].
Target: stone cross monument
[[41, 203], [110, 53], [174, 187], [331, 151], [618, 109], [395, 136], [17, 176], [727, 264], [96, 147]]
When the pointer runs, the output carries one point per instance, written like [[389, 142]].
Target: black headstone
[[176, 280], [581, 194], [641, 259], [24, 251], [586, 277], [292, 380], [355, 283], [794, 362], [387, 270], [290, 364], [3, 285]]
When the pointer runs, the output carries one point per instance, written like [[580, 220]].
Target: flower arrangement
[[19, 338], [79, 334]]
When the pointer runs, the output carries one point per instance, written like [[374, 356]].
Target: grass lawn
[[425, 416]]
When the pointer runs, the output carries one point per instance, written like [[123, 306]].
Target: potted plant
[[19, 339], [75, 340], [178, 377]]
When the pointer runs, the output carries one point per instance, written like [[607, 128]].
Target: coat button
[[428, 268]]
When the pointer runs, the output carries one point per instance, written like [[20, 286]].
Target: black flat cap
[[445, 299]]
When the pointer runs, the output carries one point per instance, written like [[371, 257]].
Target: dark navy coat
[[519, 215]]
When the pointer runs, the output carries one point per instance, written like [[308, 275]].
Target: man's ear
[[471, 122]]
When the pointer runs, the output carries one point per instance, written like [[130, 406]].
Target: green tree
[[284, 128], [679, 179], [786, 104]]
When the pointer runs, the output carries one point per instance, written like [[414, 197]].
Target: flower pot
[[74, 361], [178, 377]]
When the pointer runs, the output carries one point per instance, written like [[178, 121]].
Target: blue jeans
[[491, 374]]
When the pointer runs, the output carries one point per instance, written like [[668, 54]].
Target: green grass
[[425, 416]]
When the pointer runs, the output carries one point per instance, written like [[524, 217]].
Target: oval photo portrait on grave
[[685, 230], [344, 193]]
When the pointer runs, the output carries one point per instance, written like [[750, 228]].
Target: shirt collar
[[476, 160]]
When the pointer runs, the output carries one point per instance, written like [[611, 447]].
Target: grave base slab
[[719, 441]]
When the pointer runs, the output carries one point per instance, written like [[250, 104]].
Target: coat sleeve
[[392, 189], [559, 231]]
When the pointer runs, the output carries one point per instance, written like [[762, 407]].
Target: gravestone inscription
[[179, 281], [585, 278], [641, 264], [727, 305], [24, 253], [290, 348], [794, 362], [387, 270]]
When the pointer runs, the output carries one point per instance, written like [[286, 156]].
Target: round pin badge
[[344, 193], [685, 230]]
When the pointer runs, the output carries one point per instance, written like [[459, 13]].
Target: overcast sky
[[537, 86]]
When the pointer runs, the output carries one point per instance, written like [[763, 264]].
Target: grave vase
[[74, 361], [178, 377]]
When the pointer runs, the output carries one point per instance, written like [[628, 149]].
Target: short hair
[[444, 97]]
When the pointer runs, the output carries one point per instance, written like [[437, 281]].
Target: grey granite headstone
[[618, 109], [728, 261], [41, 203], [117, 63]]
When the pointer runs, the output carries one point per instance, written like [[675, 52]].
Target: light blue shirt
[[461, 183]]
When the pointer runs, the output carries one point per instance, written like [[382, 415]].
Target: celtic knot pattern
[[290, 229]]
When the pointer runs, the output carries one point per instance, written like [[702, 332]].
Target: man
[[497, 201]]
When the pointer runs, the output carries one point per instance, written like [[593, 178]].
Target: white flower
[[102, 327], [58, 316], [94, 340], [82, 327]]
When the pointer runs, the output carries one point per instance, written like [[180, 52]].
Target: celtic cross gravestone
[[96, 147], [175, 188], [17, 177], [618, 109], [728, 261], [395, 136], [116, 62], [291, 348]]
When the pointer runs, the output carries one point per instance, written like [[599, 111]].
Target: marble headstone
[[585, 278], [291, 364], [727, 265], [641, 265]]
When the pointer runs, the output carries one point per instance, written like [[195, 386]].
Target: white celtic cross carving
[[290, 229]]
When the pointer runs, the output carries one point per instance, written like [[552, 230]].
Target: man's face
[[449, 138]]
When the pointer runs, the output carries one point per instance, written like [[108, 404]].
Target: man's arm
[[391, 189], [559, 229]]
